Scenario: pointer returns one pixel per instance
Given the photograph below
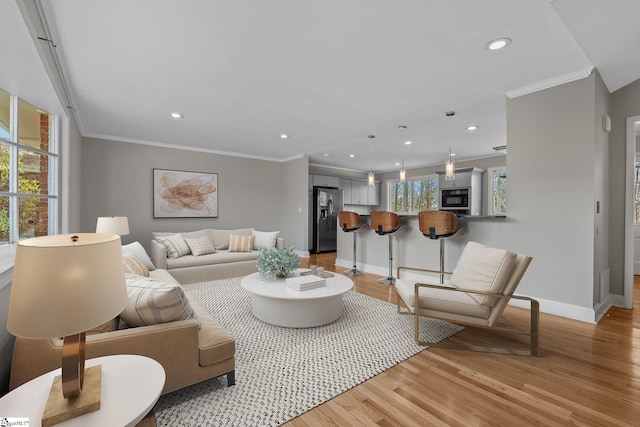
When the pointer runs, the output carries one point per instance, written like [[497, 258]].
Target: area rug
[[282, 372]]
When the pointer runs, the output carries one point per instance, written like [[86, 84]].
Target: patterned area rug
[[282, 372]]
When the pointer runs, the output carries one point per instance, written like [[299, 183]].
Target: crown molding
[[552, 82], [189, 148]]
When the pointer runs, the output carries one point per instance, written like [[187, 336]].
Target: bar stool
[[439, 225], [350, 223], [387, 223]]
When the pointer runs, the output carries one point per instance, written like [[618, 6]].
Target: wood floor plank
[[588, 375]]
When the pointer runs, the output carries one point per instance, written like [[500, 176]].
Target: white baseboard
[[373, 269], [556, 308], [302, 254]]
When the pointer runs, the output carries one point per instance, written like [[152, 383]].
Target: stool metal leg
[[442, 261], [389, 280], [354, 271]]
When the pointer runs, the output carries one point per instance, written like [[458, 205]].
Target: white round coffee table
[[275, 303]]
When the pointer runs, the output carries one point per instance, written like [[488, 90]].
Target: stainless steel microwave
[[454, 198]]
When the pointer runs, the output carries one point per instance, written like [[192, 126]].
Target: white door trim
[[628, 212]]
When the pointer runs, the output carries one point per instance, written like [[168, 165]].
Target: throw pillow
[[137, 249], [482, 268], [264, 239], [221, 237], [133, 265], [175, 244], [200, 245], [240, 243], [151, 302]]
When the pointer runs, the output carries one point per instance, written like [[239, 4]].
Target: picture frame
[[184, 194]]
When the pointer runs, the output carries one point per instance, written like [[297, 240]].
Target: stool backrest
[[384, 221], [348, 220], [443, 222]]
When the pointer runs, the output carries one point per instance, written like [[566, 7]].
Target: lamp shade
[[113, 225], [66, 284]]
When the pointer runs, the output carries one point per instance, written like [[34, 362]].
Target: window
[[27, 170], [497, 190], [414, 195]]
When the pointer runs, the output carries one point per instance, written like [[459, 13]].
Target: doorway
[[632, 209]]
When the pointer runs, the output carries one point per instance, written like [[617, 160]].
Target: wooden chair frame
[[532, 331]]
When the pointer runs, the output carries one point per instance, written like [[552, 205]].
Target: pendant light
[[450, 167], [371, 177], [403, 172]]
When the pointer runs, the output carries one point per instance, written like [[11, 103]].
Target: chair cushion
[[482, 268], [441, 300]]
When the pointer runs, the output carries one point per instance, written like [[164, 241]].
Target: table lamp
[[64, 285], [113, 225]]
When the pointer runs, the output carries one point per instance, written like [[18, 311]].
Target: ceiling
[[328, 73]]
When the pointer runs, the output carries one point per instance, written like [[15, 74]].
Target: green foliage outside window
[[499, 185], [414, 196], [27, 207]]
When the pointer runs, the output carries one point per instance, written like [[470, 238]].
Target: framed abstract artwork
[[183, 194]]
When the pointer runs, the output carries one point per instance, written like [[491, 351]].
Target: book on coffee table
[[303, 283]]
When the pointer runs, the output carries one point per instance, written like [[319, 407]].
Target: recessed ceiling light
[[397, 163], [408, 143], [472, 127], [325, 154], [452, 154], [498, 44], [352, 155], [177, 115], [284, 136]]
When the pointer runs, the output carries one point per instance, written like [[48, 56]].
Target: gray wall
[[551, 196], [558, 165], [295, 209], [74, 203], [625, 103], [117, 181]]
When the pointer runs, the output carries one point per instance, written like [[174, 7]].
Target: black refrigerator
[[327, 202]]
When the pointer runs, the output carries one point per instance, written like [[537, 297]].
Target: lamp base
[[59, 409]]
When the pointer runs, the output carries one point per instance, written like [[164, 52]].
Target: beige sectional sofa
[[221, 264], [190, 350]]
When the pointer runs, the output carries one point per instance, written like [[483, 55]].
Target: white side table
[[131, 385]]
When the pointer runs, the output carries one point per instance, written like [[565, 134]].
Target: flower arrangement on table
[[274, 262]]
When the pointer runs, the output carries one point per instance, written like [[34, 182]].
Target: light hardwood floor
[[586, 375]]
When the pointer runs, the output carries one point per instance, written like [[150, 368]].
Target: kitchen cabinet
[[345, 185], [358, 192], [373, 194], [325, 181]]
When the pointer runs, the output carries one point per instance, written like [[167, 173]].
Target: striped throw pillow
[[176, 245], [240, 243], [151, 302], [200, 245], [133, 265]]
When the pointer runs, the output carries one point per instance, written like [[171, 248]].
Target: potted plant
[[274, 262]]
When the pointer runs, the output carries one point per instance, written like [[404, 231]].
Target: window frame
[[391, 182], [491, 172], [13, 193]]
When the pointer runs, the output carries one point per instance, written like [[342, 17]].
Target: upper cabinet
[[325, 181], [358, 192]]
